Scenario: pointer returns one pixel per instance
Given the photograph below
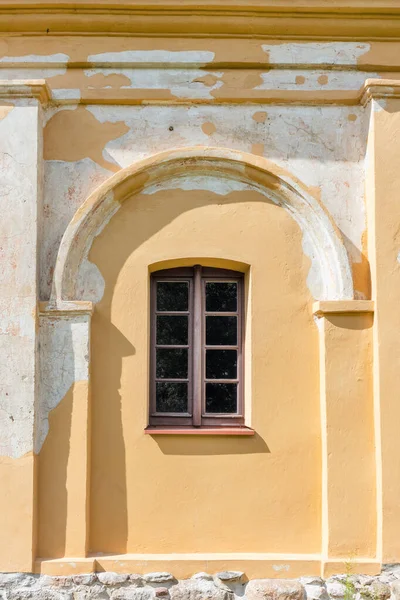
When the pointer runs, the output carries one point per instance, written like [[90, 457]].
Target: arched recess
[[282, 187]]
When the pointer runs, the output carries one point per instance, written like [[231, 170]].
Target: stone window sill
[[247, 431]]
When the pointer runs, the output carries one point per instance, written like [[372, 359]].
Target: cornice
[[20, 89], [374, 89], [294, 19]]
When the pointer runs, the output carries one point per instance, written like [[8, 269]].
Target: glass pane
[[221, 331], [221, 397], [221, 364], [172, 295], [171, 397], [172, 364], [221, 296], [172, 330]]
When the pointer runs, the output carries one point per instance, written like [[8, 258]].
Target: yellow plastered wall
[[180, 494]]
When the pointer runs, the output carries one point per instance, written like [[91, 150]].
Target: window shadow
[[204, 445]]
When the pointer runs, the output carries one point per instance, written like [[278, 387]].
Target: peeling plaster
[[144, 57], [182, 83], [313, 80], [299, 53], [64, 344], [320, 145], [67, 185], [58, 58]]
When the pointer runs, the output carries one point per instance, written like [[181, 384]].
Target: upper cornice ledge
[[295, 19], [25, 88], [379, 88]]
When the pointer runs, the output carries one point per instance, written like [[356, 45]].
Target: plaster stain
[[352, 117], [208, 128], [209, 80], [257, 149], [113, 80], [300, 79], [323, 79], [259, 116], [5, 109], [72, 135]]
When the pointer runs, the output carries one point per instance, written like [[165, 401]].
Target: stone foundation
[[228, 585]]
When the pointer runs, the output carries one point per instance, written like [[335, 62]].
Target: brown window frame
[[196, 417]]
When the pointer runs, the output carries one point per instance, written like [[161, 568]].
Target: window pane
[[221, 296], [221, 364], [172, 364], [171, 397], [172, 330], [221, 331], [172, 295], [221, 398]]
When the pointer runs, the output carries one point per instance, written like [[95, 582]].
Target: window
[[196, 348]]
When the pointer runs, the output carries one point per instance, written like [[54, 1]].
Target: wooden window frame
[[196, 418]]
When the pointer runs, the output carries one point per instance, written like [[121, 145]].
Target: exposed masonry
[[226, 585]]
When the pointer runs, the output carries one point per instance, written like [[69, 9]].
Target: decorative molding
[[374, 89], [29, 88], [246, 431], [67, 309], [329, 307], [259, 172], [308, 19]]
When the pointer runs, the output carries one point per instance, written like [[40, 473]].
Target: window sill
[[247, 431]]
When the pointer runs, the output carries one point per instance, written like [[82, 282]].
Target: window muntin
[[196, 347]]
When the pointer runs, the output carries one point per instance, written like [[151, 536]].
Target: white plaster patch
[[319, 53], [398, 257], [58, 59], [66, 185], [313, 80], [64, 359], [19, 190], [324, 146], [180, 82], [30, 73], [90, 285], [60, 94], [146, 57]]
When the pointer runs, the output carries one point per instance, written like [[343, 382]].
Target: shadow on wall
[[139, 220]]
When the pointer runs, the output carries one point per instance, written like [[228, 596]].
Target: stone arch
[[282, 187]]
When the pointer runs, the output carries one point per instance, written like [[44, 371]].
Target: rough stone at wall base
[[202, 586]]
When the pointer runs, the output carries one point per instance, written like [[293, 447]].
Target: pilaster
[[20, 209], [383, 209], [63, 431], [348, 460]]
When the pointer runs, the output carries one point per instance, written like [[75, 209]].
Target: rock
[[311, 580], [85, 579], [199, 589], [92, 592], [336, 589], [395, 587], [376, 591], [133, 593], [203, 575], [56, 581], [136, 579], [275, 589], [316, 592], [111, 578], [230, 576], [158, 577], [22, 579], [161, 592], [38, 593]]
